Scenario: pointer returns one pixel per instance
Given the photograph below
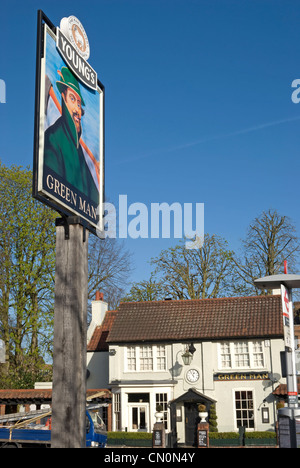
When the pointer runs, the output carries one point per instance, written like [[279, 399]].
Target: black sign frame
[[94, 228], [236, 376]]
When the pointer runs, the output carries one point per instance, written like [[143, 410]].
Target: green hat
[[68, 80]]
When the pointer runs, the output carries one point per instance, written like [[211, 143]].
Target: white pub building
[[181, 353]]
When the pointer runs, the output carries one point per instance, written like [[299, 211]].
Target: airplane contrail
[[238, 132], [210, 138]]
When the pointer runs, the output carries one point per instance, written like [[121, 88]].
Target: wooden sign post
[[70, 326], [68, 176]]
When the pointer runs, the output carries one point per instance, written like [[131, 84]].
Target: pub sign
[[69, 123]]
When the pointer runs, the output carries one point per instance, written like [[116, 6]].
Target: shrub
[[223, 435], [129, 435], [213, 424], [260, 435], [201, 408]]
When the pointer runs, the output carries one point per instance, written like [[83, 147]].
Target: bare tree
[[271, 239], [110, 265], [146, 290], [196, 273]]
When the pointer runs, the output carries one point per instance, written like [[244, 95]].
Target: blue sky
[[198, 103]]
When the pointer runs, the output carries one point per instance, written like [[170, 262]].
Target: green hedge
[[228, 439], [212, 435], [260, 435], [231, 438], [248, 435], [223, 435], [129, 439], [129, 435]]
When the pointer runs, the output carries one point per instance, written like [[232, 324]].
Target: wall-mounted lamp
[[187, 356]]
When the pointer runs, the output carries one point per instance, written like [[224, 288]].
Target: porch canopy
[[193, 396], [190, 399]]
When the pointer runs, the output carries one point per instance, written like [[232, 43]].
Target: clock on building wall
[[192, 375]]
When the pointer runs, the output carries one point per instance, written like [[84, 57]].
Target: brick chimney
[[99, 309], [99, 296]]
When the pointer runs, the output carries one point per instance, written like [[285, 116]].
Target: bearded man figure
[[63, 153]]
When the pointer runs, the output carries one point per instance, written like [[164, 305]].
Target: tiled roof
[[281, 390], [25, 394], [98, 340], [200, 319], [41, 395]]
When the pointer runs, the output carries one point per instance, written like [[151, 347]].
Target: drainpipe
[[271, 363], [202, 366]]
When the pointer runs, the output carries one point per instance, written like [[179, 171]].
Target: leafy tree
[[27, 278], [27, 264]]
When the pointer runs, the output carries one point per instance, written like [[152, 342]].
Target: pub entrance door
[[138, 417], [191, 421], [189, 417]]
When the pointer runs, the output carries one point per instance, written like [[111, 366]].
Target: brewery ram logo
[[74, 31], [72, 43]]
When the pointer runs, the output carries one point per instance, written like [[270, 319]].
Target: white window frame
[[252, 353], [160, 352], [224, 352], [130, 353], [241, 356], [156, 354], [257, 353], [162, 398], [117, 411], [146, 361], [244, 389]]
